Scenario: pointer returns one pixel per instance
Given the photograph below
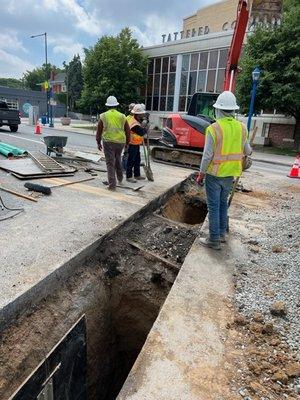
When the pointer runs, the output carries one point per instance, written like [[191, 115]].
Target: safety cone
[[38, 129], [295, 170]]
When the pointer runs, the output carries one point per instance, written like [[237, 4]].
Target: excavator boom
[[236, 45]]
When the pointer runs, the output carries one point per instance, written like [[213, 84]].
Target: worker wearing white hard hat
[[226, 143], [137, 131], [113, 131]]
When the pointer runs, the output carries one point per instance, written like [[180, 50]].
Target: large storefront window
[[161, 83], [200, 72]]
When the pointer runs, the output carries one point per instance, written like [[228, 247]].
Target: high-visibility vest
[[130, 118], [134, 138], [229, 136], [113, 126]]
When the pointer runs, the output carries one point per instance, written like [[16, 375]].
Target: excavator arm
[[235, 49]]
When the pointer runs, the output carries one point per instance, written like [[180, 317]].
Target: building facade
[[178, 69], [21, 99], [194, 60], [58, 82]]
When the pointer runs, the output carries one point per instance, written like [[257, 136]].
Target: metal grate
[[45, 162]]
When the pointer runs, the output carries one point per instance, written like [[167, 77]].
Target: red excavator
[[183, 136]]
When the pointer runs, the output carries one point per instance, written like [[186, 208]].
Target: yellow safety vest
[[113, 126], [134, 138], [130, 118], [229, 136]]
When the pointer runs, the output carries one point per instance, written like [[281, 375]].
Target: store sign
[[202, 30], [228, 26]]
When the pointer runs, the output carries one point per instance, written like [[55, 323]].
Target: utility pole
[[46, 68]]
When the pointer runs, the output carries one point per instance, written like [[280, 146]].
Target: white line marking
[[19, 137]]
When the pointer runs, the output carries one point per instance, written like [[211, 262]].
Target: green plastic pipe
[[14, 148], [5, 152], [14, 152]]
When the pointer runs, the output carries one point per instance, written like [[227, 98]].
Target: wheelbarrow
[[55, 144]]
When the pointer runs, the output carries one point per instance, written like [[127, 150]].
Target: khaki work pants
[[113, 152]]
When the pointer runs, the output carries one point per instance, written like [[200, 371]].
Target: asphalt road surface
[[25, 138]]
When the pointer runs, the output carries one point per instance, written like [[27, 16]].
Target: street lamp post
[[255, 79], [46, 73]]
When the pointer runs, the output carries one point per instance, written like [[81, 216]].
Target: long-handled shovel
[[147, 167]]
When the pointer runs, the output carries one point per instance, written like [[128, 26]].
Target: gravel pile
[[272, 272]]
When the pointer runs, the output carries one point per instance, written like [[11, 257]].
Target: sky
[[72, 25]]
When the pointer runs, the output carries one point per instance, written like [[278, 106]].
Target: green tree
[[114, 66], [12, 83], [74, 80], [277, 53], [33, 79]]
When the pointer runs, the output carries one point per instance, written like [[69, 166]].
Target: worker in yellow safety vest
[[113, 130], [226, 143], [137, 131]]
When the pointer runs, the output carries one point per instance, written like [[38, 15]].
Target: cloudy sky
[[74, 24]]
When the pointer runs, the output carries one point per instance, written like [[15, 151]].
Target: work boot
[[131, 180], [139, 178], [120, 183], [223, 238], [111, 188], [213, 244]]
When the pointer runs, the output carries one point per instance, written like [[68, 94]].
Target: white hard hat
[[111, 101], [131, 105], [143, 105], [138, 109], [226, 101]]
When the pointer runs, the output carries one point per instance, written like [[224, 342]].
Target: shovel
[[147, 167], [125, 187]]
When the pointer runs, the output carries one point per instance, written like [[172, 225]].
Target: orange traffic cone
[[295, 170], [37, 130]]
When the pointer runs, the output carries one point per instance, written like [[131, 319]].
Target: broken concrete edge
[[29, 299], [185, 349]]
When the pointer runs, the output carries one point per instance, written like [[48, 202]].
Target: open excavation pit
[[120, 289]]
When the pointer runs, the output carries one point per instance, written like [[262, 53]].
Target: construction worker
[[137, 131], [113, 130], [226, 143]]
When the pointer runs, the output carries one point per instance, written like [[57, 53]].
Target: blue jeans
[[217, 192], [133, 161]]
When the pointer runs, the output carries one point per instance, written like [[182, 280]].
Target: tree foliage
[[74, 80], [277, 53], [114, 66], [12, 83], [33, 79]]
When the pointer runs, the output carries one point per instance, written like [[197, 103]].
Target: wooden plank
[[149, 253], [24, 196]]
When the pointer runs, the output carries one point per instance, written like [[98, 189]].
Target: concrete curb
[[271, 162], [76, 132]]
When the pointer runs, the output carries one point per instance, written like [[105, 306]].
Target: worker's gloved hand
[[145, 124], [200, 178]]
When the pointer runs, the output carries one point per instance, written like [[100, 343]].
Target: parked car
[[9, 117]]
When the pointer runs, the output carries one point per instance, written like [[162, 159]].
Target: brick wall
[[281, 135]]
